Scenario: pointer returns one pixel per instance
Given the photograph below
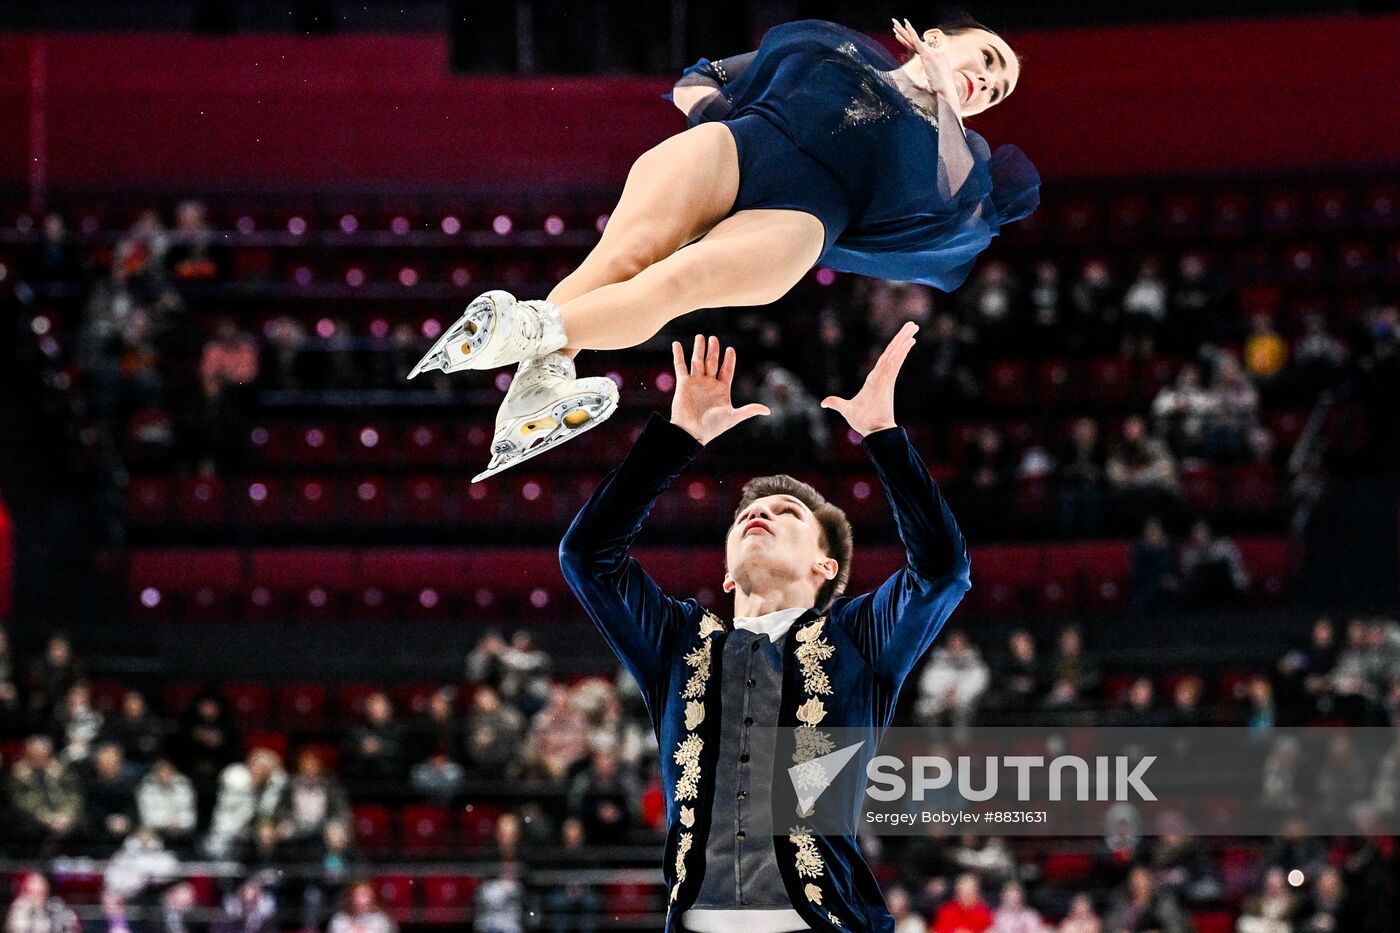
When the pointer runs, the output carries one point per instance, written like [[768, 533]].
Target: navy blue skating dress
[[822, 128]]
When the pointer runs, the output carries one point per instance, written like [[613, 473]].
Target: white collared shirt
[[775, 626]]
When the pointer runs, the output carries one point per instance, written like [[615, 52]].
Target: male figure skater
[[797, 655]]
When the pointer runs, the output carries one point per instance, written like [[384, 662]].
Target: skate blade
[[467, 328], [563, 420]]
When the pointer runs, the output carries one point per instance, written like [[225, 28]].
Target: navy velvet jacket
[[841, 668]]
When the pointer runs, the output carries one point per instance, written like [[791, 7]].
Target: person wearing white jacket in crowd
[[165, 801], [247, 793]]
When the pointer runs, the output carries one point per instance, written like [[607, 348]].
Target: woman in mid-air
[[819, 147]]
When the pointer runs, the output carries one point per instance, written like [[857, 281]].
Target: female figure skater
[[819, 147]]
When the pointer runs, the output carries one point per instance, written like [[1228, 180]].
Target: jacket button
[[743, 795], [752, 682], [748, 720], [744, 757], [741, 835], [753, 647]]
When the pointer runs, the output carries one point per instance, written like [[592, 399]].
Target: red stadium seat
[[424, 443], [374, 828], [350, 700], [366, 500], [149, 500], [313, 501], [1200, 487], [424, 830], [1068, 868], [1055, 383], [199, 500], [448, 898], [1109, 381], [275, 741], [107, 695], [192, 583], [250, 704], [1007, 383], [479, 825], [1254, 488], [424, 500], [302, 707], [396, 895], [1002, 578], [1267, 560], [631, 898], [1214, 921]]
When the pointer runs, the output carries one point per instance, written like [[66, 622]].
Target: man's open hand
[[872, 409], [702, 404]]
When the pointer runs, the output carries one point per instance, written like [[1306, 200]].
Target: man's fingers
[[836, 403], [697, 356], [726, 368], [678, 360], [712, 357]]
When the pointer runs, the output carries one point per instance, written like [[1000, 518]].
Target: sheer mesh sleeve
[[711, 76]]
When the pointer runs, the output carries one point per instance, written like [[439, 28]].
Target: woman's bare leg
[[675, 192], [750, 258]]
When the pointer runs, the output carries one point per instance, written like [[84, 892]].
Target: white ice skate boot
[[496, 330], [546, 405]]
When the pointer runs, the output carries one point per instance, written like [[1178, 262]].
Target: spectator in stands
[[558, 737], [987, 857], [228, 368], [1212, 569], [1304, 674], [114, 914], [1021, 678], [1141, 908], [139, 733], [178, 901], [110, 796], [1328, 910], [208, 740], [1180, 864], [1094, 308], [309, 802], [1047, 307], [165, 802], [248, 795], [949, 373], [1319, 358], [1153, 578], [1081, 917], [1343, 780], [985, 477], [53, 676], [250, 909], [1139, 707], [361, 913], [906, 920], [1180, 412], [500, 903], [438, 778], [1297, 847], [1079, 481], [952, 682], [1260, 712], [374, 750], [55, 257], [1014, 915], [1273, 910], [1075, 677], [1186, 710], [987, 304], [1141, 474], [286, 339], [439, 730], [494, 733], [796, 424], [1234, 412], [34, 911], [141, 863], [335, 865], [519, 670], [1196, 306], [194, 254], [1144, 309], [573, 906], [603, 797], [77, 724], [965, 912], [46, 795], [505, 838]]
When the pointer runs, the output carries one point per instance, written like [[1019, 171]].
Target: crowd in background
[[160, 793], [153, 374]]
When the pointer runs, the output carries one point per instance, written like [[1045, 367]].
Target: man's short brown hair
[[835, 527]]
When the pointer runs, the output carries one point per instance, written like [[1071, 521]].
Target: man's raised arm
[[638, 620], [894, 625]]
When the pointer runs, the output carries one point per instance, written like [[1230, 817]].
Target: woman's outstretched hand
[[872, 409], [701, 405], [937, 68]]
